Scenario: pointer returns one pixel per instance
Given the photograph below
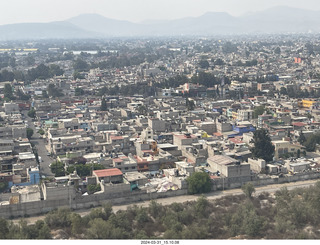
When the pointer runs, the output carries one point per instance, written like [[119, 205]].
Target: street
[[185, 198], [39, 143]]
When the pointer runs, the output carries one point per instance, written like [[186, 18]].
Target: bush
[[199, 182], [93, 188]]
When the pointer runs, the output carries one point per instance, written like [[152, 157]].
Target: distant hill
[[53, 30], [274, 20]]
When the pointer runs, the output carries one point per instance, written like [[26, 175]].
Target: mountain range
[[275, 20]]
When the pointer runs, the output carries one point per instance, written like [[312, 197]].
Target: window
[[126, 168]]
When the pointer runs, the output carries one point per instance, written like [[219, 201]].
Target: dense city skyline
[[18, 11]]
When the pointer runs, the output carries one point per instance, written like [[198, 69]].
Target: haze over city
[[149, 119], [21, 11]]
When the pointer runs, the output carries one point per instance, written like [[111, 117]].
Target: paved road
[[185, 198], [39, 143]]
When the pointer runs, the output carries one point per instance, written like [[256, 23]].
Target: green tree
[[311, 142], [199, 182], [248, 189], [59, 218], [277, 50], [108, 210], [155, 209], [77, 224], [57, 168], [201, 206], [190, 104], [204, 64], [22, 96], [246, 221], [78, 92], [45, 94], [4, 228], [41, 131], [43, 231], [53, 91], [7, 92], [259, 110], [29, 133], [32, 113], [283, 91], [103, 106], [93, 188], [80, 65], [77, 75], [99, 229], [55, 70], [263, 147], [204, 78], [218, 62], [3, 186], [142, 109]]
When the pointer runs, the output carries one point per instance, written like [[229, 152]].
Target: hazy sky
[[16, 11]]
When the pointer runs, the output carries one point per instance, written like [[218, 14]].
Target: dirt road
[[185, 198]]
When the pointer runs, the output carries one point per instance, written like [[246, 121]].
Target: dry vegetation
[[285, 215]]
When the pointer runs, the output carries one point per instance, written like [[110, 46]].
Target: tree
[[259, 110], [4, 229], [142, 109], [77, 224], [29, 133], [41, 131], [80, 65], [59, 218], [57, 168], [204, 78], [32, 113], [283, 91], [201, 206], [199, 182], [22, 96], [103, 106], [312, 142], [219, 62], [302, 139], [277, 50], [155, 209], [108, 210], [53, 91], [263, 147], [190, 104], [77, 75], [78, 92], [8, 93], [55, 70], [246, 221], [93, 188], [45, 94], [248, 189], [3, 186], [204, 64]]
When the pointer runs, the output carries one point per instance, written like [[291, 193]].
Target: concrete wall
[[85, 202], [230, 183], [81, 202], [257, 164]]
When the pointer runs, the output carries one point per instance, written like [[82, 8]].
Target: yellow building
[[282, 147], [306, 103]]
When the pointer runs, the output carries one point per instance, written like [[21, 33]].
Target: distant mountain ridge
[[275, 20]]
